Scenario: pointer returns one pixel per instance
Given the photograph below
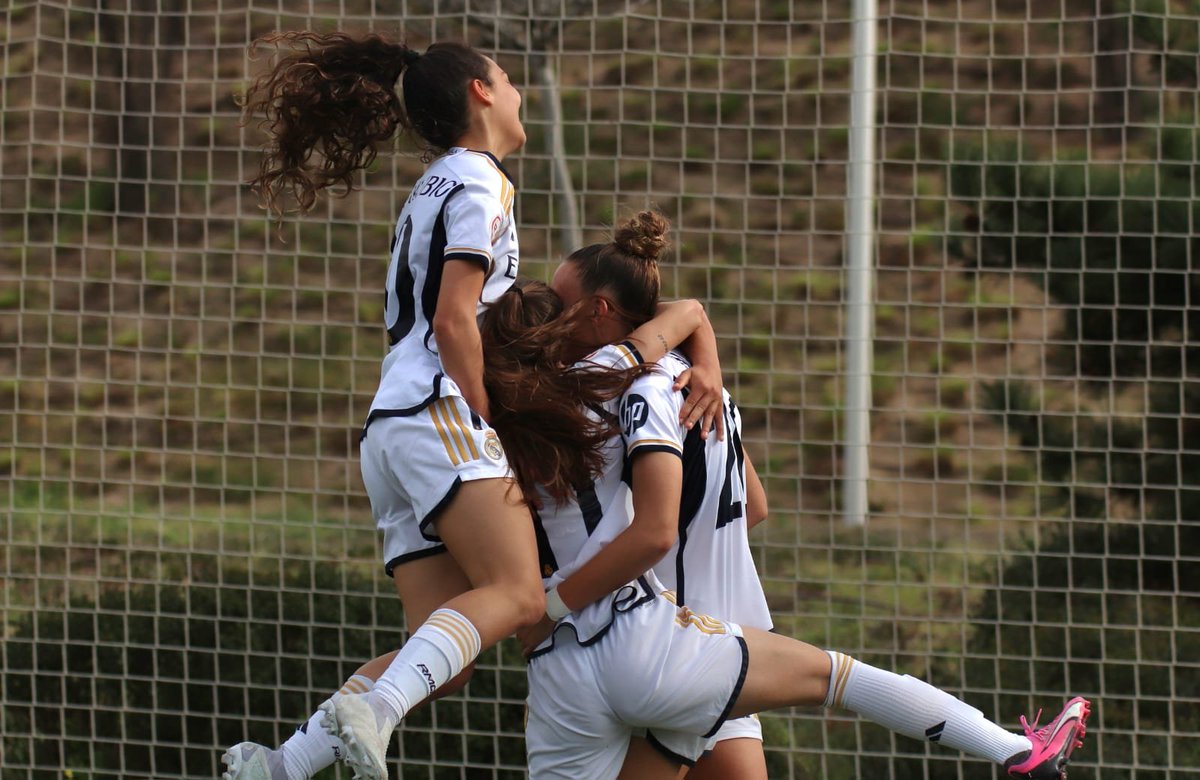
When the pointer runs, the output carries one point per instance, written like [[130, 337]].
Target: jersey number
[[729, 510], [400, 284]]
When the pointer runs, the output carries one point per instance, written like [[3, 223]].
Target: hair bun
[[643, 235]]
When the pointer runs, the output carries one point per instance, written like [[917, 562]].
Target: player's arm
[[756, 497], [471, 213], [457, 331], [704, 382], [673, 322], [657, 482]]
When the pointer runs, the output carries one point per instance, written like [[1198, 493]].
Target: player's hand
[[532, 636], [704, 401]]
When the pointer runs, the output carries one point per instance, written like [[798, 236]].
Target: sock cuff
[[839, 675], [454, 627], [356, 683]]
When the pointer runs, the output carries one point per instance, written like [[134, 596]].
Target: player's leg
[[488, 532], [740, 757], [644, 762], [785, 672], [423, 584], [307, 751]]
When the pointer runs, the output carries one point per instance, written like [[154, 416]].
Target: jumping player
[[458, 540]]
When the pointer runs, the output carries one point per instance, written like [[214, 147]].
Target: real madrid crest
[[491, 446]]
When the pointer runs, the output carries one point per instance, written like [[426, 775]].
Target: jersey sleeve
[[650, 415], [474, 216]]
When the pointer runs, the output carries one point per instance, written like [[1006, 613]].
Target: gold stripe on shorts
[[448, 420], [441, 429], [454, 425], [466, 432], [685, 617]]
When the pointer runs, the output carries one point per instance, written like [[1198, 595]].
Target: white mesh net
[[188, 556]]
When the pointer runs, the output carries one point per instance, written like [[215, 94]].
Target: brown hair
[[538, 398], [335, 94], [626, 269]]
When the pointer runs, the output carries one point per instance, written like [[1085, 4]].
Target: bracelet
[[556, 609]]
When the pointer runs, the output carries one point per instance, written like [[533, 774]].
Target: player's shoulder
[[478, 171]]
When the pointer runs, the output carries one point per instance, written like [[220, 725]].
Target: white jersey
[[460, 209], [571, 534], [710, 567]]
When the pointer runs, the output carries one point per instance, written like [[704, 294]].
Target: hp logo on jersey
[[633, 413]]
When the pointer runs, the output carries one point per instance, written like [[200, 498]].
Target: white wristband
[[556, 609]]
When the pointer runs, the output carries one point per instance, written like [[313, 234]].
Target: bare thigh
[[488, 531], [783, 672], [740, 758], [643, 762]]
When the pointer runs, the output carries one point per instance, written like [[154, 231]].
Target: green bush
[[157, 679]]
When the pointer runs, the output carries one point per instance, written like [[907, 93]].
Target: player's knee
[[529, 603]]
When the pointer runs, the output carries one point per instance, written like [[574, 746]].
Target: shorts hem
[[666, 751], [737, 689], [753, 732], [438, 508], [389, 568]]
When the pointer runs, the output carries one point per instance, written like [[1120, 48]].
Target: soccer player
[[632, 683], [719, 497], [457, 536]]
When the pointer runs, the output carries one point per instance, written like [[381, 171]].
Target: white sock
[[312, 748], [437, 651], [916, 709]]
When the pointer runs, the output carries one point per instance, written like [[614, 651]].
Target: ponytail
[[331, 103]]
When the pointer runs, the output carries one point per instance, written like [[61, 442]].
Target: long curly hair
[[539, 399], [330, 103]]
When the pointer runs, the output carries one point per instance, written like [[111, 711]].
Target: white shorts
[[413, 465], [748, 727], [660, 672]]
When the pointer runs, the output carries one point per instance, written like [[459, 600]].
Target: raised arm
[[672, 324]]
